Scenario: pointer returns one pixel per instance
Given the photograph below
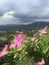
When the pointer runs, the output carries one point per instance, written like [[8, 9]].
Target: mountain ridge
[[35, 25]]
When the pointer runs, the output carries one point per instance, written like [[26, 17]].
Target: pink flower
[[42, 31], [40, 63], [4, 51], [33, 39], [17, 41], [18, 36], [12, 46]]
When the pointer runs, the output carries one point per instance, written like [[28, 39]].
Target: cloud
[[23, 11], [45, 11], [43, 20], [8, 15], [22, 7], [8, 18]]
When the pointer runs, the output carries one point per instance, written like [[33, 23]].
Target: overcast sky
[[23, 11]]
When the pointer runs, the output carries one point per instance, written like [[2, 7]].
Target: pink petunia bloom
[[4, 51], [12, 46], [18, 36], [33, 39], [42, 31], [17, 41], [40, 63]]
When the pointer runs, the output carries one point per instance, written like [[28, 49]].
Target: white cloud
[[8, 18], [8, 15]]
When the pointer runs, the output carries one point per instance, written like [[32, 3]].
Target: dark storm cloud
[[23, 10]]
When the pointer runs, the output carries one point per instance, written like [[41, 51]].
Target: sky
[[23, 11]]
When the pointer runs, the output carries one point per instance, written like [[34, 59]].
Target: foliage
[[30, 52]]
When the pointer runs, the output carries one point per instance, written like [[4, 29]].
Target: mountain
[[38, 25], [35, 25]]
